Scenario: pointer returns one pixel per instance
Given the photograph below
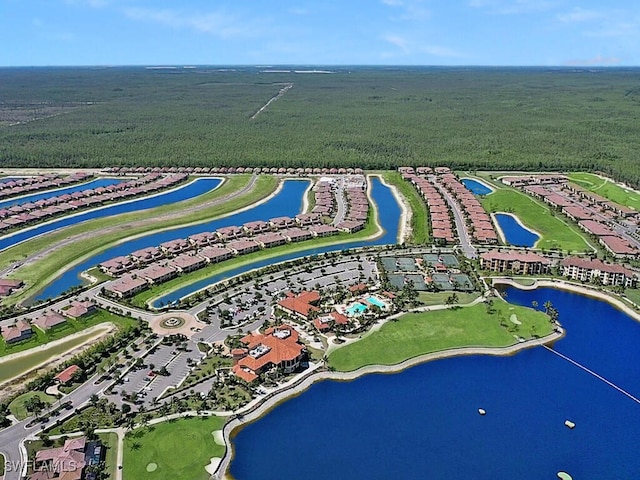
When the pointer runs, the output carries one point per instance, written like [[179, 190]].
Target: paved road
[[341, 202], [11, 438], [465, 242], [33, 257]]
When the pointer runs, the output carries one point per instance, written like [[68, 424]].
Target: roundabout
[[172, 322]]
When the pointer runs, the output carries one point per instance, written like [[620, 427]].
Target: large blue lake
[[288, 202], [515, 234], [193, 189], [476, 187], [100, 182], [388, 216], [423, 423]]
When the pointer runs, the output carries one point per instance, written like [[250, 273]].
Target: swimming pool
[[356, 309], [376, 302]]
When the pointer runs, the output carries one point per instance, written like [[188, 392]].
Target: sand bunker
[[514, 319], [213, 465], [218, 437], [152, 467]]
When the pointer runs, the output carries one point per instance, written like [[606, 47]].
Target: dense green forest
[[471, 118]]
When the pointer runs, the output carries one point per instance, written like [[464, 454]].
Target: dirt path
[[282, 91]]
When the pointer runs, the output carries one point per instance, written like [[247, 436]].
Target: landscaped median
[[497, 324], [419, 212], [45, 270], [174, 449]]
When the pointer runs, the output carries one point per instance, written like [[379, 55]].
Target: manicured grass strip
[[555, 232], [70, 327], [416, 334], [110, 441], [44, 271], [173, 449], [420, 214], [1, 464], [17, 408], [175, 284], [608, 189], [439, 298]]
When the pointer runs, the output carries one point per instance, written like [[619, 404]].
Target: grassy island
[[419, 333]]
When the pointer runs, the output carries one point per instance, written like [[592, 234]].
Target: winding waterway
[[388, 216], [100, 182], [423, 422], [286, 203], [185, 192]]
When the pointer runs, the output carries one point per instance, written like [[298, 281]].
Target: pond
[[476, 186], [424, 422], [514, 232]]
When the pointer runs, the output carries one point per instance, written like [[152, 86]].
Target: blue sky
[[329, 32]]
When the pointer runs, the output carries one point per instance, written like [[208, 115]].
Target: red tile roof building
[[587, 270], [302, 304], [277, 347], [49, 320], [66, 375], [514, 262], [18, 332]]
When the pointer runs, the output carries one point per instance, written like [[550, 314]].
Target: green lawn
[[16, 407], [1, 464], [70, 327], [179, 449], [555, 232], [110, 441], [42, 272], [420, 214], [608, 189], [439, 298], [426, 332]]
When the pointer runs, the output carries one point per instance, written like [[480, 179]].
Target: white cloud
[[514, 7], [440, 51], [89, 3], [397, 41], [411, 10], [578, 15], [299, 11], [409, 47], [214, 23], [597, 60]]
